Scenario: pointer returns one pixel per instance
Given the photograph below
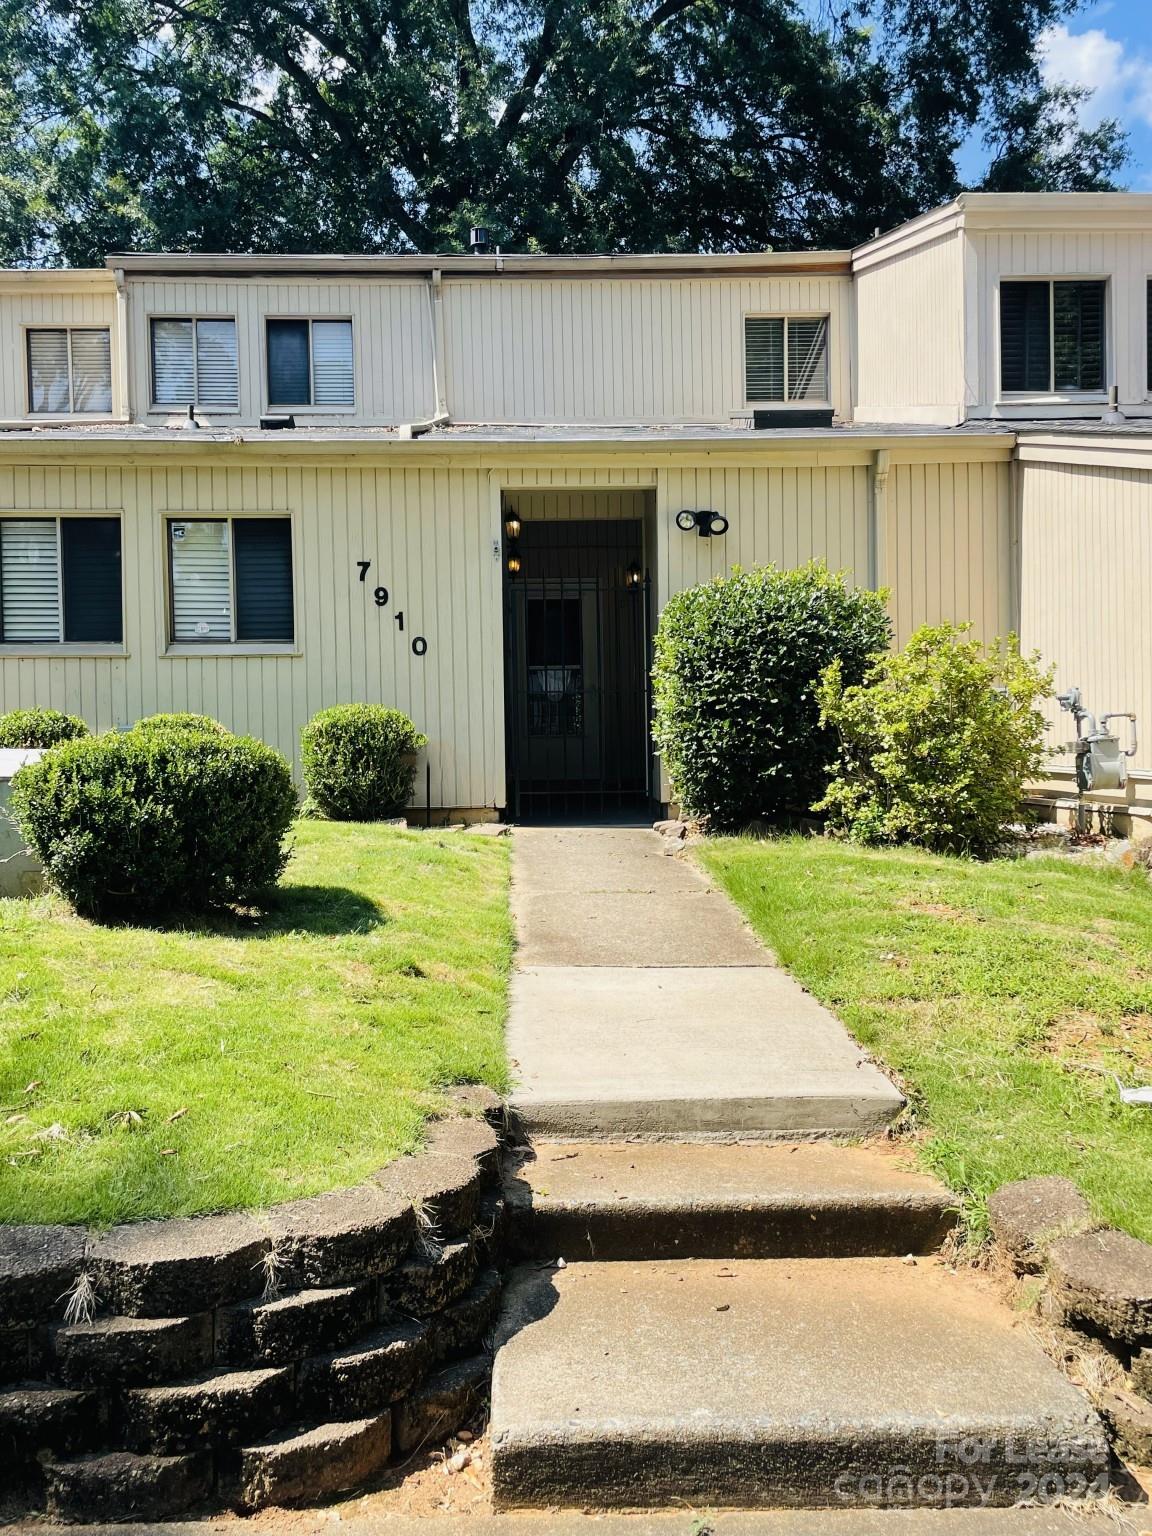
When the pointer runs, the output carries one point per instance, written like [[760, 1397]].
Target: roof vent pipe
[[1114, 415], [478, 240]]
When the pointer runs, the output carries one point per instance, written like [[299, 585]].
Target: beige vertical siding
[[42, 300], [430, 538], [433, 535], [948, 547], [1124, 258], [391, 340], [1086, 573], [910, 335], [627, 350]]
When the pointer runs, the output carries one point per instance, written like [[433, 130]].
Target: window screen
[[194, 362], [289, 377], [786, 357], [69, 371], [1052, 337], [60, 580], [231, 580]]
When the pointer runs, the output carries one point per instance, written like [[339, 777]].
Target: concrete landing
[[777, 1383], [643, 1200], [682, 1522], [617, 896], [671, 1052], [642, 1005]]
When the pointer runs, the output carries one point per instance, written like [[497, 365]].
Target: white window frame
[[173, 648], [313, 409], [32, 415], [68, 647], [1053, 396], [168, 410], [808, 402]]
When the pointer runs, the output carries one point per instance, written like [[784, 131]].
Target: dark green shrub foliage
[[181, 722], [358, 761], [39, 728], [139, 824], [937, 742], [737, 663]]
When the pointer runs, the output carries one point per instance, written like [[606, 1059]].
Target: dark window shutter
[[1078, 336], [289, 382], [90, 559], [1024, 338], [262, 550], [1148, 323]]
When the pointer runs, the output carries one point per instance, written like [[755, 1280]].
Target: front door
[[576, 636]]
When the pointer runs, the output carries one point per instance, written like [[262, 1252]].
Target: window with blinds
[[786, 357], [194, 362], [60, 580], [1052, 337], [310, 363], [231, 580], [69, 371]]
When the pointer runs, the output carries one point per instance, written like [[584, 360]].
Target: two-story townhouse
[[465, 485]]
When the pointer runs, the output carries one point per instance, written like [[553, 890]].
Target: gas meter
[[1101, 762]]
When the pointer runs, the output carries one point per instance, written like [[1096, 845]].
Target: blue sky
[[1108, 48]]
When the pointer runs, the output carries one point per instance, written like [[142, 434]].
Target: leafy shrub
[[937, 742], [358, 761], [181, 722], [736, 666], [39, 728], [141, 823]]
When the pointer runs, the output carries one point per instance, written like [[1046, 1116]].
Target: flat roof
[[675, 264]]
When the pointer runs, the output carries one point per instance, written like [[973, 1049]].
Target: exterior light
[[633, 576], [512, 526], [513, 561], [707, 523]]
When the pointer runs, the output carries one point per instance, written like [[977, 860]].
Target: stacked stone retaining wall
[[252, 1359]]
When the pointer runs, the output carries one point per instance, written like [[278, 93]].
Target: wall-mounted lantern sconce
[[634, 577], [708, 524], [513, 561], [512, 526]]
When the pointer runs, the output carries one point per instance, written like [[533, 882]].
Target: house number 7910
[[380, 598]]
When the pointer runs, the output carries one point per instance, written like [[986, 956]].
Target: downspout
[[123, 375], [877, 559], [440, 418]]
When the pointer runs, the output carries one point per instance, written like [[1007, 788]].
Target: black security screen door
[[576, 630]]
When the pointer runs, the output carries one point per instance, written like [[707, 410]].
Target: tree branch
[[517, 104]]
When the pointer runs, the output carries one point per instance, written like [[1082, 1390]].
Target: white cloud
[[1120, 82]]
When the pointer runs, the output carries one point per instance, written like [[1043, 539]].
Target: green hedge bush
[[358, 761], [936, 743], [736, 667], [181, 722], [139, 824], [39, 728]]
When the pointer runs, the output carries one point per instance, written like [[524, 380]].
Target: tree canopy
[[613, 125]]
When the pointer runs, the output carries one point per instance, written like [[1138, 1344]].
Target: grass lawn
[[150, 1072], [994, 990]]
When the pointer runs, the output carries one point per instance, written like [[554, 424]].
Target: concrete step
[[664, 1200], [1036, 1521], [676, 1053], [768, 1383]]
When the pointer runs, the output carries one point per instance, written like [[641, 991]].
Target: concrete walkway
[[643, 1005]]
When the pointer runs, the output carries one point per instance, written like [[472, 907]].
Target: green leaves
[[734, 686], [936, 743], [321, 125]]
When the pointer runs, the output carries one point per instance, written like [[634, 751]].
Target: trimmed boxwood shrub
[[358, 761], [140, 824], [39, 728], [736, 668], [181, 722], [937, 742]]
